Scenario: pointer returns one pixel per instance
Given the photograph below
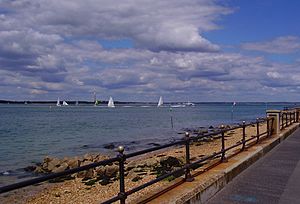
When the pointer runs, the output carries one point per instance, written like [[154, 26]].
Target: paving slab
[[275, 178]]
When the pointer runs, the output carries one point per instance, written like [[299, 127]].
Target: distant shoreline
[[130, 102]]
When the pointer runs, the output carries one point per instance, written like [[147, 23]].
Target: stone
[[111, 171], [151, 162], [100, 171], [73, 163], [30, 168], [53, 164], [109, 146], [39, 170], [137, 178], [170, 162], [100, 157], [88, 157], [87, 174], [47, 159], [63, 166]]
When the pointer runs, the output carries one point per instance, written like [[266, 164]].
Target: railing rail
[[185, 170]]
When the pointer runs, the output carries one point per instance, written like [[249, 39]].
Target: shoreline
[[76, 189]]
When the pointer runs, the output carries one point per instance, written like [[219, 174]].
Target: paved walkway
[[275, 178]]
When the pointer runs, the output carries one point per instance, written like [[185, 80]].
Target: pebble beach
[[82, 189]]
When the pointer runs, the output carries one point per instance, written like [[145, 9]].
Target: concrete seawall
[[210, 182]]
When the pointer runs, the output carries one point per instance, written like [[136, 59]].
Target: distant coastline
[[130, 102]]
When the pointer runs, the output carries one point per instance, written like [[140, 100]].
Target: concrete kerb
[[209, 183]]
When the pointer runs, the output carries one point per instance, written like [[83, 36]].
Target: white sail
[[65, 103], [160, 102], [58, 102], [110, 103], [77, 103]]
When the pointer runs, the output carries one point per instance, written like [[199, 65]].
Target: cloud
[[156, 25], [58, 52], [280, 45]]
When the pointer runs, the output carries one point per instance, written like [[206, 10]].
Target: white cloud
[[280, 45], [158, 25], [57, 52]]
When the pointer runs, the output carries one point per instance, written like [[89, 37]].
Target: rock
[[202, 131], [61, 168], [105, 181], [88, 157], [99, 157], [109, 146], [47, 159], [131, 175], [111, 171], [87, 174], [85, 163], [100, 171], [39, 170], [73, 163], [53, 164], [211, 127], [137, 178], [170, 162], [139, 169], [151, 162], [30, 168]]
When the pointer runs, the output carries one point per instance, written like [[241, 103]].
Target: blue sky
[[197, 50]]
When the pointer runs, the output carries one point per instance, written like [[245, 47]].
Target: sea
[[30, 132]]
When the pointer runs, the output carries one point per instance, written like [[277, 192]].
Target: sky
[[138, 50]]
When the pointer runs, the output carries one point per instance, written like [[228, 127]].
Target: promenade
[[275, 178]]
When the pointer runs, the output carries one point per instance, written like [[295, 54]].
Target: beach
[[76, 190]]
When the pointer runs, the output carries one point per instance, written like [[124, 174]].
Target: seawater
[[28, 133]]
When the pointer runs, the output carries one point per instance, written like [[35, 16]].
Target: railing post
[[286, 119], [188, 176], [290, 118], [122, 159], [257, 130], [294, 116], [223, 157], [244, 136], [281, 121], [275, 114], [268, 126]]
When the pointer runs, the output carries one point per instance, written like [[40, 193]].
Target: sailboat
[[58, 102], [65, 103], [110, 103], [189, 104], [77, 103], [96, 103], [160, 102]]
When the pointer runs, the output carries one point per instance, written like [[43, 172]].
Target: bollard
[[244, 136], [257, 129], [188, 176], [122, 159], [276, 115]]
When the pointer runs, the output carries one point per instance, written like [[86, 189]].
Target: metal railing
[[184, 170], [288, 117]]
